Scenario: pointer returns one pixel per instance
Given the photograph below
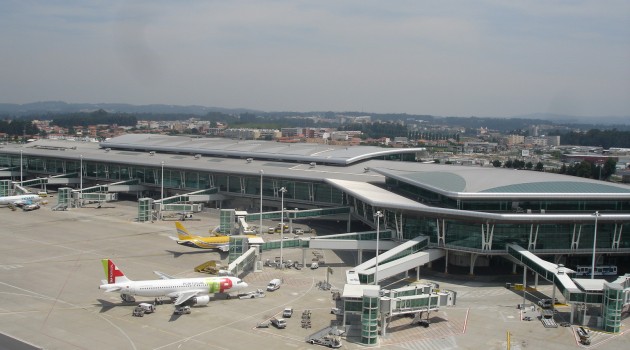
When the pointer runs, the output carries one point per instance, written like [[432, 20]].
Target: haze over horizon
[[484, 58]]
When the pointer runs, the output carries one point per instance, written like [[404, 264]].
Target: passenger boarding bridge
[[607, 299]]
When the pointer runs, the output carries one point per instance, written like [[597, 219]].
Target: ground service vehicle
[[328, 336], [545, 303], [138, 312], [585, 336], [279, 323], [288, 312], [184, 310], [259, 293], [274, 284]]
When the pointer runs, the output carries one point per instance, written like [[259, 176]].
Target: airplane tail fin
[[112, 273], [182, 232]]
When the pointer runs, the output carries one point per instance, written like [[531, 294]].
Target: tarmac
[[50, 270]]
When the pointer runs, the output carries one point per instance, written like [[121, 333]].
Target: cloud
[[447, 58]]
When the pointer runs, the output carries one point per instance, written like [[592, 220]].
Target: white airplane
[[20, 200], [183, 291]]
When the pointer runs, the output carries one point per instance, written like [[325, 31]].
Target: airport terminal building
[[474, 214]]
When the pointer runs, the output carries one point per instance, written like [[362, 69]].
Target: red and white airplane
[[183, 291]]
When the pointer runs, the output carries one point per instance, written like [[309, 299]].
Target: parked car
[[288, 312]]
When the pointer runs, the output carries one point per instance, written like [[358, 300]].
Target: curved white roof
[[297, 152]]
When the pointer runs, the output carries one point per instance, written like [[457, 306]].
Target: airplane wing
[[163, 275], [183, 296], [173, 238]]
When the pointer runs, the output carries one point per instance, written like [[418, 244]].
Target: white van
[[274, 284]]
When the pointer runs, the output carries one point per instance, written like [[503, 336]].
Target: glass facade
[[370, 319], [613, 306], [457, 233]]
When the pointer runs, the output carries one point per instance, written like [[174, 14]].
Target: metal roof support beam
[[441, 232], [486, 237], [156, 177], [311, 192], [242, 183], [617, 236], [575, 241], [276, 188], [533, 237], [397, 225]]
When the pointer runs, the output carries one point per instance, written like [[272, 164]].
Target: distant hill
[[572, 119], [56, 107]]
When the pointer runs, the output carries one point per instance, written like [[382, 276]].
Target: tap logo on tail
[[112, 272]]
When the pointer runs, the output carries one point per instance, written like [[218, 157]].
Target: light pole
[[162, 184], [260, 230], [378, 215], [21, 151], [594, 244], [282, 191], [81, 180]]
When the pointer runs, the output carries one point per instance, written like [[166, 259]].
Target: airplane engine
[[201, 300]]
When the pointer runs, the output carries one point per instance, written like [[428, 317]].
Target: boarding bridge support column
[[524, 283], [418, 273], [303, 257], [536, 281], [290, 225], [473, 260], [553, 296], [360, 256], [514, 268], [584, 314], [446, 261], [349, 221]]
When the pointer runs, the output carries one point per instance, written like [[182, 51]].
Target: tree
[[529, 165], [583, 169], [540, 166], [609, 168], [496, 163], [508, 163]]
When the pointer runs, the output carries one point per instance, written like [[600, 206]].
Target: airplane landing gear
[[127, 298]]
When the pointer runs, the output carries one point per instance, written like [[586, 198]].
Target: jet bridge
[[178, 206], [609, 297], [558, 275], [399, 259], [63, 179], [299, 214]]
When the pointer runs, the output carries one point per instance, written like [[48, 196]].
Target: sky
[[446, 58]]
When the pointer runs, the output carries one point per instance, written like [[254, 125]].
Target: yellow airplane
[[220, 242]]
